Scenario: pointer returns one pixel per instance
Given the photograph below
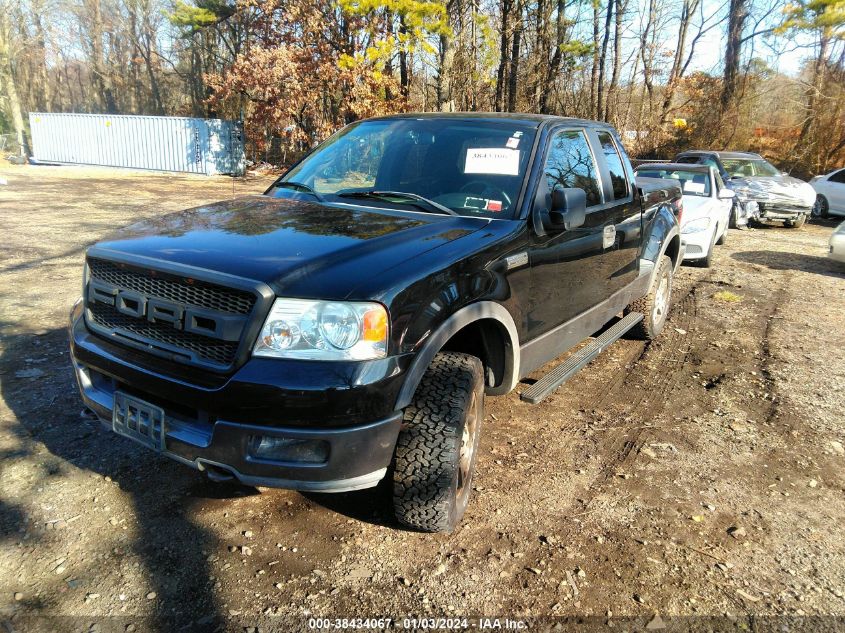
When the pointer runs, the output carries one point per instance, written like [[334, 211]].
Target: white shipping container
[[198, 146]]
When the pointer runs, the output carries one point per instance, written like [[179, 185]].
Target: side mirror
[[727, 194], [569, 209]]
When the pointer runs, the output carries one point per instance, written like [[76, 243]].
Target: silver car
[[830, 193]]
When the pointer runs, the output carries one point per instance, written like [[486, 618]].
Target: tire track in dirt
[[652, 377]]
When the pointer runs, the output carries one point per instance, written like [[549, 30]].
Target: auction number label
[[350, 623]]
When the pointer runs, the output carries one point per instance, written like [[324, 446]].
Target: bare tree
[[12, 101]]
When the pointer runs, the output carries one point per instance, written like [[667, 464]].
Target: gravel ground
[[701, 475]]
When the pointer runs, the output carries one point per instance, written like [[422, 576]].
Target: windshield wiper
[[299, 186], [418, 201]]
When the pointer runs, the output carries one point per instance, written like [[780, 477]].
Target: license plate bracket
[[138, 420]]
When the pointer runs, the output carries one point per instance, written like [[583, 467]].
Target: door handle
[[608, 236]]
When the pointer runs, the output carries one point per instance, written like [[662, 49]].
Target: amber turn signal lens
[[375, 324]]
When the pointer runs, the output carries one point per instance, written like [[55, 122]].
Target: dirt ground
[[701, 475]]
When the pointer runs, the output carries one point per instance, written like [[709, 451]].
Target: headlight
[[324, 330], [696, 226]]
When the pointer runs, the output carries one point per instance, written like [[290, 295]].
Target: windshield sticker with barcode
[[512, 142], [492, 160], [693, 187]]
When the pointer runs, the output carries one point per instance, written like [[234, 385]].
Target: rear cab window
[[618, 176]]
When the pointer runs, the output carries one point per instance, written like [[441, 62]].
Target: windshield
[[693, 183], [745, 167], [471, 167]]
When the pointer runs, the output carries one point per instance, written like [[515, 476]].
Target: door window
[[570, 163], [838, 176], [618, 178]]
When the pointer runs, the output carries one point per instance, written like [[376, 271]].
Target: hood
[[774, 190], [301, 248], [698, 207]]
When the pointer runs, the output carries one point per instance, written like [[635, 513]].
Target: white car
[[830, 194], [837, 244], [707, 206]]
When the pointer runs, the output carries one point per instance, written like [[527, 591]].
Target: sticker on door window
[[492, 160]]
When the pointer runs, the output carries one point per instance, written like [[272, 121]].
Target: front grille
[[219, 314], [153, 283], [219, 352]]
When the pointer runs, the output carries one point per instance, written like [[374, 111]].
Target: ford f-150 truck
[[346, 325]]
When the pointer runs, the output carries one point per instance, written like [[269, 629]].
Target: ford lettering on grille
[[190, 319], [185, 319]]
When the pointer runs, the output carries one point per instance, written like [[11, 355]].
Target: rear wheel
[[436, 451], [655, 305], [821, 209]]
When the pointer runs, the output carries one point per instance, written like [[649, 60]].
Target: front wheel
[[722, 238], [436, 451], [655, 305], [707, 260]]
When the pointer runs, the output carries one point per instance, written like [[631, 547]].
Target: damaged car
[[762, 191]]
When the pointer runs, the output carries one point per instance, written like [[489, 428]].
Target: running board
[[537, 392]]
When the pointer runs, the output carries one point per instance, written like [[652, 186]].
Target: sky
[[781, 54]]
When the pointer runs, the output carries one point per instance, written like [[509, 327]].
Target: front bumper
[[836, 250], [776, 211], [212, 427], [697, 243]]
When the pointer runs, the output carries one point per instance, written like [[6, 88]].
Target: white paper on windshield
[[492, 160], [693, 187]]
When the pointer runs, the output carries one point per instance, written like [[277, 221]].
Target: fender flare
[[646, 263], [667, 240], [435, 342]]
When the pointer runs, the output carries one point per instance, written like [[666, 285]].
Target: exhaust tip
[[218, 474]]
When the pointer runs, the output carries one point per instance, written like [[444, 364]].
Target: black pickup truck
[[346, 325]]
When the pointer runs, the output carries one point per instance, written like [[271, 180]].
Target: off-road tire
[[432, 477], [723, 238], [653, 323], [822, 208], [797, 223]]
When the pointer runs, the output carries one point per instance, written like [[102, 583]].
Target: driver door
[[568, 267]]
